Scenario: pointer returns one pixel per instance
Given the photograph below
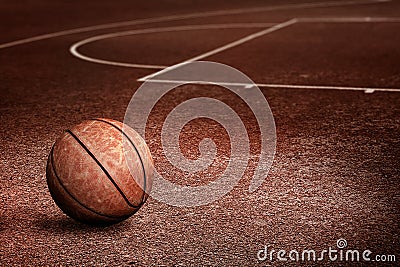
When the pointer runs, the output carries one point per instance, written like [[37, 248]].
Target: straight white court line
[[351, 19], [286, 86], [74, 49], [225, 47], [186, 16]]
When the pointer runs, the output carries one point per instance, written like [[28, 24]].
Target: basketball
[[100, 172]]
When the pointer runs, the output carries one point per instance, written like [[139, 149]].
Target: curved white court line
[[74, 48], [187, 16]]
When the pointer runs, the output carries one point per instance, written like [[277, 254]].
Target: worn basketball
[[100, 171]]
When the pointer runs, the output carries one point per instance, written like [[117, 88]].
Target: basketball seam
[[53, 166], [137, 151], [103, 169]]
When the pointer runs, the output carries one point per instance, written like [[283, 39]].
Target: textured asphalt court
[[331, 79]]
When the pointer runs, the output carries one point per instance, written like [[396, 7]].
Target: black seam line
[[102, 167], [74, 198], [131, 142], [137, 151]]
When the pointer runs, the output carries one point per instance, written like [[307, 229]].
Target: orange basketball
[[99, 171]]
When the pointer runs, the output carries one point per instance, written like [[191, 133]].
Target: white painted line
[[324, 87], [186, 16], [244, 40], [75, 52], [121, 64], [286, 86], [225, 47], [74, 48], [350, 19]]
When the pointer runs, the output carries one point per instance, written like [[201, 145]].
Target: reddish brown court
[[329, 69]]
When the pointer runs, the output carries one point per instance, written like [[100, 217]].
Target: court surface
[[329, 70]]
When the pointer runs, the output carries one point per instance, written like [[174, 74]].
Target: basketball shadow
[[64, 224]]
